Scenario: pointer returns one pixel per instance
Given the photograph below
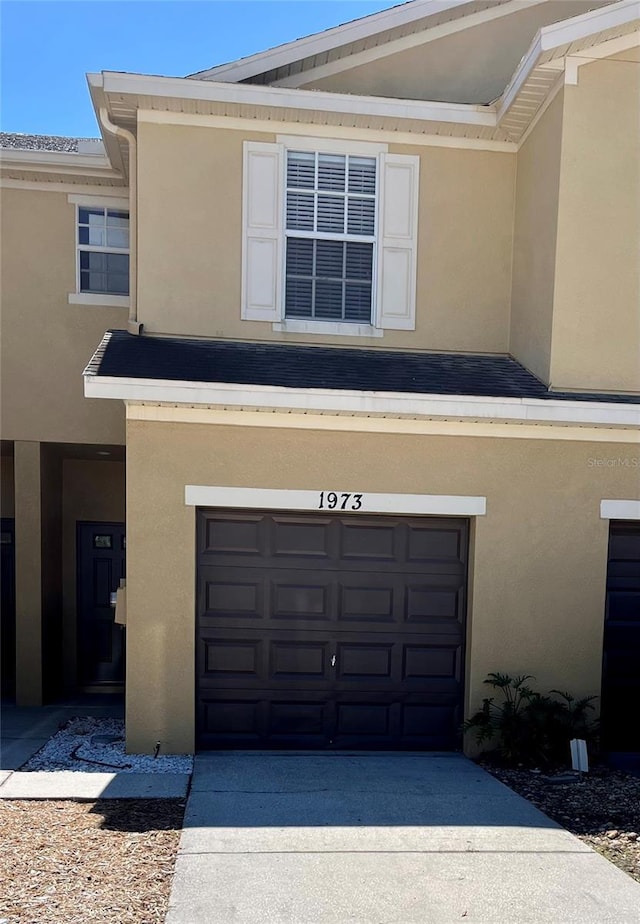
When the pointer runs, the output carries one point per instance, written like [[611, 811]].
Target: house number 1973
[[330, 500]]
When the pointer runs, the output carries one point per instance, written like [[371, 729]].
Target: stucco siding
[[534, 243], [46, 342], [190, 216], [596, 322], [538, 558]]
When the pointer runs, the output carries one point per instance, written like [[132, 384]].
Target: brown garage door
[[330, 631]]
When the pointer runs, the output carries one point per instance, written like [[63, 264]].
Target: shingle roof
[[42, 142], [291, 366]]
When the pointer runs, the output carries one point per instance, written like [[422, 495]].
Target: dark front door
[[8, 607], [621, 660], [101, 564], [330, 630]]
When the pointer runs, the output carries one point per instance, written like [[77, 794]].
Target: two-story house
[[365, 310]]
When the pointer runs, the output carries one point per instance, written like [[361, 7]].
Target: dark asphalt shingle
[[291, 366]]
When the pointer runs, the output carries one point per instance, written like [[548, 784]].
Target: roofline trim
[[60, 162], [282, 98], [344, 34], [273, 397]]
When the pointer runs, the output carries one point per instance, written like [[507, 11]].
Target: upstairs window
[[329, 236], [103, 250], [330, 230]]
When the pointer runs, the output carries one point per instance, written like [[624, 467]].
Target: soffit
[[468, 61], [348, 38]]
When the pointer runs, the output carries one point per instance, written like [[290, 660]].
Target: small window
[[103, 250]]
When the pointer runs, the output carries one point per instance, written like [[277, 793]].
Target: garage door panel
[[330, 630], [232, 535], [233, 720], [428, 723], [359, 602], [368, 542], [237, 598], [428, 543], [426, 662], [303, 538], [293, 598], [361, 660], [299, 661], [425, 602], [231, 657], [621, 654]]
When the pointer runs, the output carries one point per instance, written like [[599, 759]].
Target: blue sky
[[48, 46]]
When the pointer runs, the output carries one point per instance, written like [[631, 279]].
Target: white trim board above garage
[[331, 499], [620, 510]]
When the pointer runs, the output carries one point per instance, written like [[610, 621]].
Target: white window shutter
[[397, 242], [262, 209]]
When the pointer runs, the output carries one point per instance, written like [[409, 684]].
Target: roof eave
[[356, 30], [394, 404]]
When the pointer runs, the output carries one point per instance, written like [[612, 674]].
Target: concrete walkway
[[24, 730], [380, 839]]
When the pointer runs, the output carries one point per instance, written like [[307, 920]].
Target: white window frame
[[98, 202], [315, 325]]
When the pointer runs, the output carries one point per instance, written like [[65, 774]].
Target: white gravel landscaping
[[96, 745]]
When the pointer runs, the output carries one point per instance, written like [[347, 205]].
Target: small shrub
[[528, 727]]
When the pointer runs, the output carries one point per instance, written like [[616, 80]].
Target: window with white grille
[[330, 234], [103, 250]]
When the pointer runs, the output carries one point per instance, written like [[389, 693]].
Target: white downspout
[[133, 325]]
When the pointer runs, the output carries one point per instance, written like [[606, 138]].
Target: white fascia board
[[64, 163], [455, 505], [620, 510], [99, 101], [530, 410], [319, 42], [182, 88], [578, 27], [38, 158]]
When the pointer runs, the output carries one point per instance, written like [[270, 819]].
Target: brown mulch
[[602, 808], [79, 862]]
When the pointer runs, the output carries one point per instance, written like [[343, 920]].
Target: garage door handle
[[333, 661]]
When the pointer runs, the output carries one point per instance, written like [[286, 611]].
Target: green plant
[[528, 727]]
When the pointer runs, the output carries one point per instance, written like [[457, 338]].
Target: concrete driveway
[[380, 839]]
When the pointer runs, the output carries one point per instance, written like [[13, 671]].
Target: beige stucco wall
[[538, 561], [92, 492], [46, 343], [190, 219], [596, 322], [534, 242]]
